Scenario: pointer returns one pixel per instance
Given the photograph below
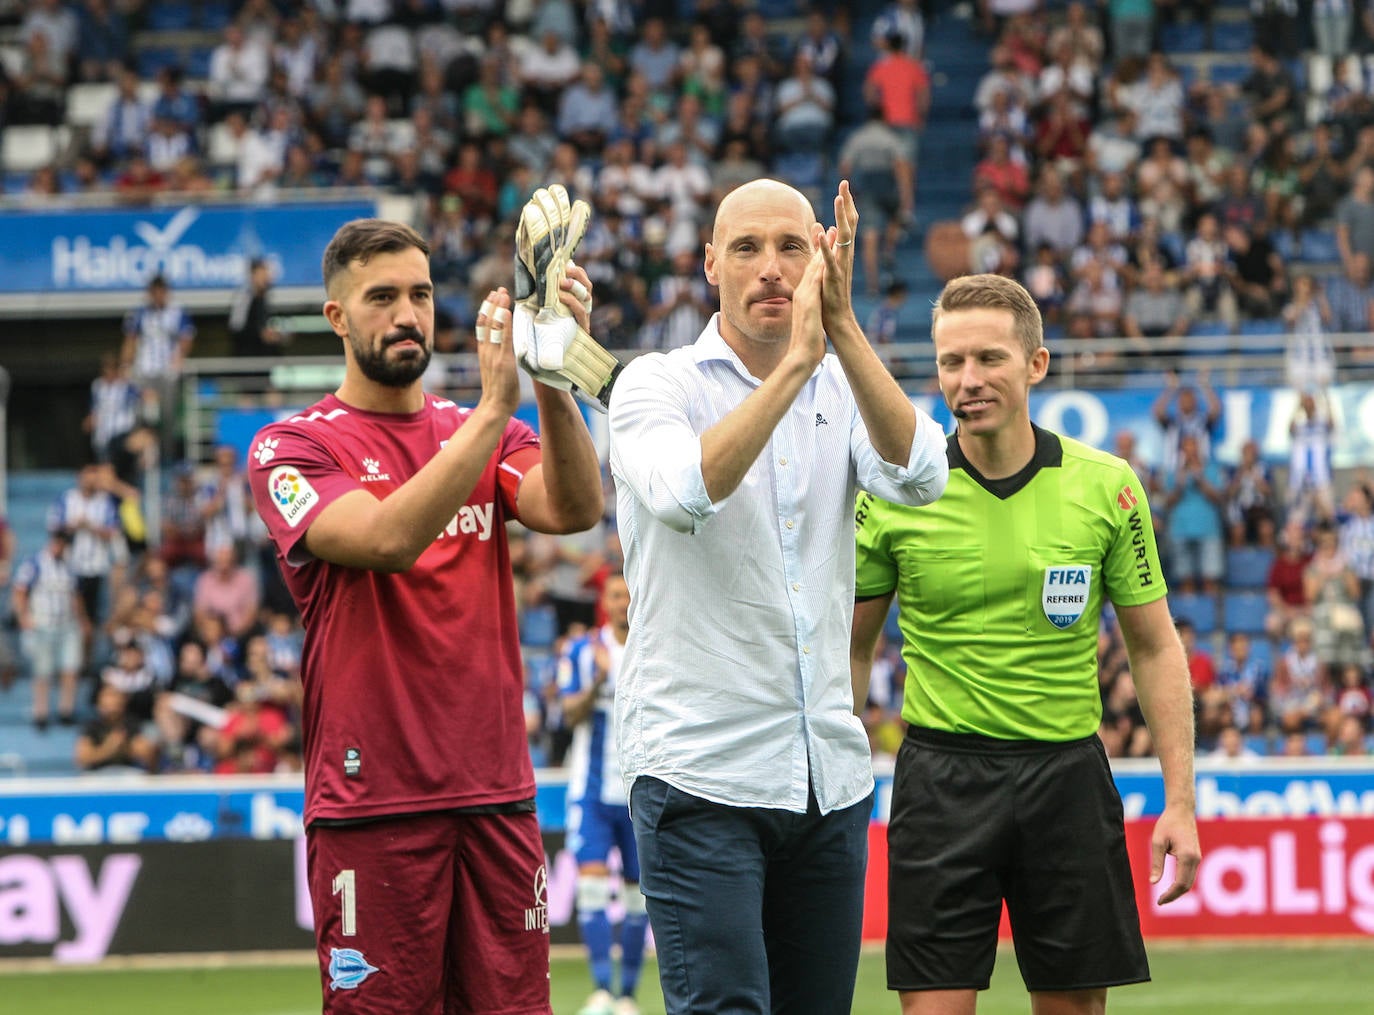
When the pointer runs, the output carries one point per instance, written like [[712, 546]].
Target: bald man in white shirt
[[736, 462]]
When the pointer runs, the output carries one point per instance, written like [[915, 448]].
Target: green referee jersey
[[1000, 584]]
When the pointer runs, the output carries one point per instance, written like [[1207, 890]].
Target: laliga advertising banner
[[194, 246], [1312, 877]]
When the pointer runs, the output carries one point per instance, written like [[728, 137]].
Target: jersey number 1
[[346, 884]]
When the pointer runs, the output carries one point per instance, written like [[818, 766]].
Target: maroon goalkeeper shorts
[[431, 914]]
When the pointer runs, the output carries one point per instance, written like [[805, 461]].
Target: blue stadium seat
[[1227, 73], [1262, 651], [1182, 37], [1244, 611], [1263, 326], [774, 9], [1316, 743], [1176, 245], [198, 61], [1232, 37], [1259, 743], [1208, 329], [215, 15], [1055, 330], [538, 627], [1247, 567], [1198, 609], [1285, 244], [152, 59], [1319, 245], [170, 17], [803, 170], [890, 628]]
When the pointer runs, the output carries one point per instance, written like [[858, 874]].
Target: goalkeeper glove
[[548, 341]]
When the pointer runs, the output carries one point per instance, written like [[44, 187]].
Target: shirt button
[[791, 524], [782, 461], [796, 586], [806, 650]]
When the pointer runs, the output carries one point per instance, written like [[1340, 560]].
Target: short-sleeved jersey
[[413, 681], [593, 762], [1000, 584]]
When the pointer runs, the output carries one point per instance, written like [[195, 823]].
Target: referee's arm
[[1160, 671], [869, 617]]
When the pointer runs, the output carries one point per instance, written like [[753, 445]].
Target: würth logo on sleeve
[[1126, 499], [373, 471]]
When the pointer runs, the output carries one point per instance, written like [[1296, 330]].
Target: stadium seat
[[1244, 611], [26, 147], [214, 16], [1198, 609], [397, 207], [803, 170], [12, 60], [169, 17], [890, 628], [1232, 37], [198, 62], [1319, 245], [1208, 329], [1259, 743], [538, 627], [221, 148], [1263, 326], [1286, 245], [1227, 73], [1182, 37], [1247, 567], [87, 103], [1319, 75], [151, 59], [1262, 651], [1316, 743]]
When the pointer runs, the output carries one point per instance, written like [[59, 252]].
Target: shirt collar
[[712, 346]]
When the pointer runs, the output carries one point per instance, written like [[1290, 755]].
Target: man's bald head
[[773, 195]]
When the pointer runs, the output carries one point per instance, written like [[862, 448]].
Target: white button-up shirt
[[735, 683]]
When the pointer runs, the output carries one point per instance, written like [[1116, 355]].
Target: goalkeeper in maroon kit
[[388, 507]]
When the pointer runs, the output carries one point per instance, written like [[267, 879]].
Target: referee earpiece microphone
[[954, 410]]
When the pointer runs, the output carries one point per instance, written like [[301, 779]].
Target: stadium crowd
[[1132, 200]]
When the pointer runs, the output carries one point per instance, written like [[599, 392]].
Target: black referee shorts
[[976, 821]]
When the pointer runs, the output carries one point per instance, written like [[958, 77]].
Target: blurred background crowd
[[1165, 177]]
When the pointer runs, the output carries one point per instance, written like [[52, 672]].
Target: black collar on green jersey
[[1049, 454]]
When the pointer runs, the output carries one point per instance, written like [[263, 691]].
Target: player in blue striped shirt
[[598, 810]]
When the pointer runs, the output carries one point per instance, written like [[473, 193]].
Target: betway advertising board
[[196, 247]]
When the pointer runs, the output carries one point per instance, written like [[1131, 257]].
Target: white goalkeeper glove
[[549, 343]]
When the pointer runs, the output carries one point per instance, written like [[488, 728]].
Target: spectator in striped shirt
[[157, 339], [114, 408], [8, 661], [1357, 545], [89, 514], [52, 623]]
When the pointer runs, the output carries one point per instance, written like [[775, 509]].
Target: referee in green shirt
[[1002, 789]]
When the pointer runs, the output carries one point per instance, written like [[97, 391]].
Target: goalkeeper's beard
[[398, 371]]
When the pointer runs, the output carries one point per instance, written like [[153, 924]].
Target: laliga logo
[[78, 263], [1291, 873]]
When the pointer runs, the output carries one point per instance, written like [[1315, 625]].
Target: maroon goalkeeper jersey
[[413, 681]]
